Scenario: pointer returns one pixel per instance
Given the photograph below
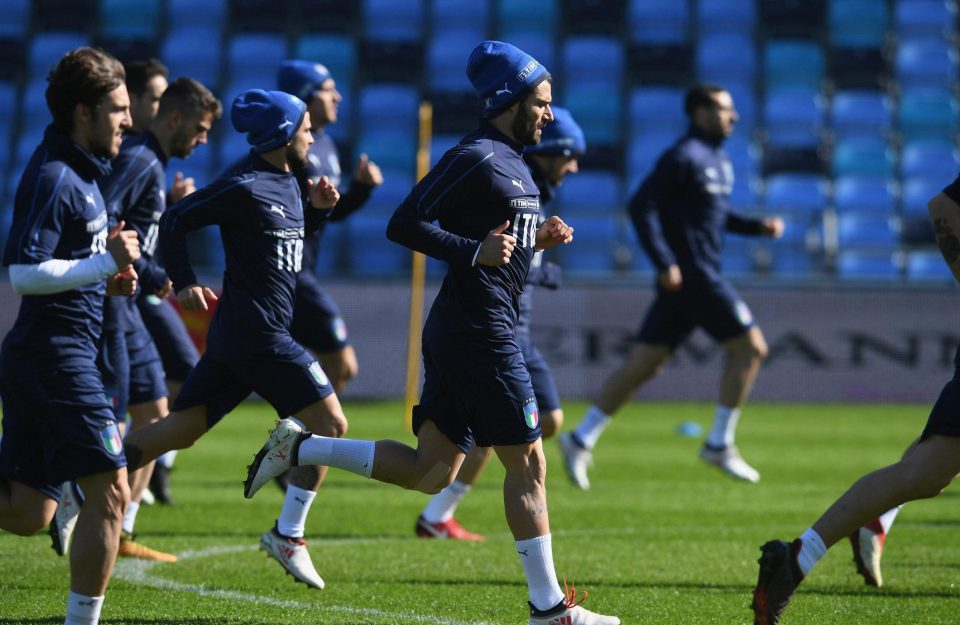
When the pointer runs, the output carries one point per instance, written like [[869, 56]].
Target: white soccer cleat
[[867, 545], [569, 612], [147, 498], [576, 460], [292, 555], [729, 460], [65, 518], [276, 456]]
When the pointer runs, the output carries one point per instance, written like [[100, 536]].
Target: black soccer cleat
[[779, 577]]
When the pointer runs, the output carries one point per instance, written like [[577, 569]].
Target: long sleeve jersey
[[543, 274]]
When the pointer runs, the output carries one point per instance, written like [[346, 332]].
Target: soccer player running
[[561, 143], [925, 470], [262, 221], [680, 212], [57, 424], [477, 387]]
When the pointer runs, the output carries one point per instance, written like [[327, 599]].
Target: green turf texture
[[660, 539]]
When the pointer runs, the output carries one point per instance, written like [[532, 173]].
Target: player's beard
[[525, 128], [294, 159]]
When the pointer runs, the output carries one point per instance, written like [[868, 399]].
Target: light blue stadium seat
[[256, 55], [593, 193], [397, 184], [793, 118], [592, 59], [870, 266], [210, 14], [336, 51], [658, 21], [857, 23], [928, 266], [136, 19], [657, 108], [370, 253], [530, 16], [446, 54], [14, 18], [593, 252], [917, 193], [46, 48], [725, 57], [867, 231], [934, 158], [801, 194], [928, 62], [393, 20], [598, 111], [725, 16], [392, 148], [864, 194], [860, 113], [863, 156], [928, 113], [925, 18], [793, 63], [470, 18], [194, 51]]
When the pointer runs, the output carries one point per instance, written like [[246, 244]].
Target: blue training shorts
[[177, 350], [544, 386], [317, 323], [944, 418], [147, 381], [715, 307]]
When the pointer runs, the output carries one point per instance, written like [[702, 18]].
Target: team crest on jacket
[[531, 413], [110, 437]]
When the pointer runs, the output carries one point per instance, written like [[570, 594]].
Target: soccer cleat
[[147, 498], [729, 460], [160, 484], [867, 545], [65, 518], [277, 455], [292, 555], [450, 528], [779, 577], [576, 460], [569, 612], [130, 548]]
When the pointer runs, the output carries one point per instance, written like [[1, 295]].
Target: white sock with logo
[[293, 514], [444, 504], [83, 610], [342, 453], [592, 426], [536, 555], [886, 519], [130, 516], [811, 550], [724, 430]]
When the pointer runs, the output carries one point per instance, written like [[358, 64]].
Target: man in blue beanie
[[549, 161], [317, 322], [477, 386], [263, 223]]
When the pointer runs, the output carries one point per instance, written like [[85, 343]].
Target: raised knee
[[551, 423], [30, 522], [434, 479]]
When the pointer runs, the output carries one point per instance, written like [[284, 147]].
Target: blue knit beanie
[[302, 78], [500, 73], [561, 137], [270, 118]]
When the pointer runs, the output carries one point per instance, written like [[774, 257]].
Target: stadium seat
[[739, 255], [52, 15], [660, 65], [658, 21], [598, 111], [858, 68], [260, 15], [33, 109], [930, 62], [871, 266], [336, 51], [928, 266], [798, 194], [862, 156], [397, 184], [860, 113], [867, 231], [657, 108], [917, 192], [389, 147], [593, 254], [864, 194], [793, 18], [793, 118], [924, 18], [470, 18], [593, 16], [47, 48], [643, 151], [210, 14], [745, 101], [370, 253], [857, 23], [527, 16], [388, 105], [933, 158], [393, 20], [256, 56], [446, 52], [726, 16], [928, 114], [14, 19], [330, 253], [789, 262], [725, 57], [793, 64], [187, 52], [592, 193], [136, 19], [592, 59]]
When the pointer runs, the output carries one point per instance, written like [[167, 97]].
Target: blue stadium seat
[[135, 19], [256, 56], [739, 255], [934, 158], [790, 261], [336, 51], [863, 156], [470, 18], [793, 118], [188, 51], [593, 250], [929, 62], [8, 111], [397, 184], [928, 113], [528, 16], [33, 109], [917, 193], [796, 193], [793, 64], [598, 110], [14, 18], [726, 16], [927, 266], [46, 48], [402, 111], [657, 108], [864, 194], [745, 101], [867, 231], [725, 57], [371, 254], [860, 113], [871, 266], [393, 20], [336, 235], [642, 153], [389, 147], [857, 23], [446, 54], [591, 192], [211, 14], [658, 21], [592, 59], [925, 18]]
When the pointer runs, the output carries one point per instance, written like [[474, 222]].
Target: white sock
[[811, 550], [886, 519], [343, 453], [293, 515], [167, 458], [130, 517], [442, 505], [724, 428], [592, 426], [536, 555], [83, 610]]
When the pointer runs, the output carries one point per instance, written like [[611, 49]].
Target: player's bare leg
[[23, 510], [340, 366], [437, 519], [97, 534]]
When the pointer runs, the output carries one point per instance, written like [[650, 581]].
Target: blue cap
[[302, 78], [270, 118], [500, 72], [561, 137]]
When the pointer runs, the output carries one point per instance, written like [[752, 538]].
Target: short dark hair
[[83, 76], [188, 96], [139, 73], [700, 95]]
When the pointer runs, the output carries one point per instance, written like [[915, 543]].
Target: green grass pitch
[[661, 538]]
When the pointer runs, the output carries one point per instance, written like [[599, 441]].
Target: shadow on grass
[[132, 621]]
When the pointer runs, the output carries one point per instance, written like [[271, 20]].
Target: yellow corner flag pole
[[417, 279]]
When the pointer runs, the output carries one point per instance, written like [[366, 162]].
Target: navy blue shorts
[[544, 386], [57, 426], [177, 350], [716, 307], [290, 381], [146, 369], [945, 416], [317, 323], [113, 360], [472, 394]]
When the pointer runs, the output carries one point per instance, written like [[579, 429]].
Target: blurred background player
[[57, 424], [561, 144], [927, 467], [680, 212]]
